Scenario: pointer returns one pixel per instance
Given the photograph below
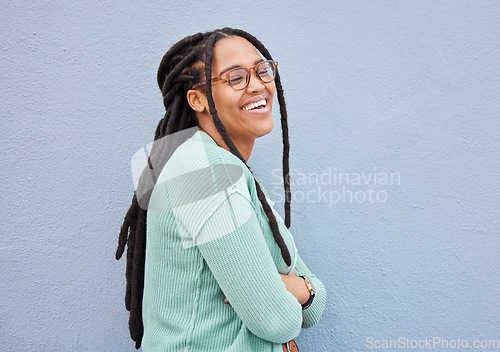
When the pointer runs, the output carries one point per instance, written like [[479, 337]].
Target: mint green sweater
[[208, 237]]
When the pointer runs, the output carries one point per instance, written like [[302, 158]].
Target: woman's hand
[[296, 286]]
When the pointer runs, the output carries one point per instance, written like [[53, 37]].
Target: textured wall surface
[[394, 123]]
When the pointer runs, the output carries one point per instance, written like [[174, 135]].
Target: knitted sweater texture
[[209, 238]]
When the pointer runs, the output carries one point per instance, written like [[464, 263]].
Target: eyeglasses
[[239, 78]]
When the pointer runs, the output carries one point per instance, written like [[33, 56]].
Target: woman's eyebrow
[[238, 66]]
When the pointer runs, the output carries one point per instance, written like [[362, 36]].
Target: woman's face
[[242, 122]]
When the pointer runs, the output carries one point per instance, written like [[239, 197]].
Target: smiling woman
[[210, 265]]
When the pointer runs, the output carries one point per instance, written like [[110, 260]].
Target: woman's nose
[[255, 84]]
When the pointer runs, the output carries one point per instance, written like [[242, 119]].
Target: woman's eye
[[235, 79], [263, 72]]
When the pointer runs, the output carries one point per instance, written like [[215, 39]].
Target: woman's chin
[[265, 127]]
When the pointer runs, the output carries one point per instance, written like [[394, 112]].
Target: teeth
[[255, 105]]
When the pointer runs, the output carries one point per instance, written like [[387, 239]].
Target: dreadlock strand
[[188, 119], [167, 98], [130, 261], [135, 320], [223, 132], [161, 126], [211, 104], [174, 50], [284, 123], [285, 253], [174, 114], [286, 150], [185, 78], [122, 238], [189, 59]]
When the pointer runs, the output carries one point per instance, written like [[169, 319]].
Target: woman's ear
[[197, 100]]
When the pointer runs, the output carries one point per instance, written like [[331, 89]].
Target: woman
[[217, 268]]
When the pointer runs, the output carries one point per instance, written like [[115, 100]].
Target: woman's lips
[[256, 105]]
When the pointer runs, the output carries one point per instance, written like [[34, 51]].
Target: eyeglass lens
[[240, 77]]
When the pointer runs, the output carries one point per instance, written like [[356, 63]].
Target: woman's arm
[[244, 269]]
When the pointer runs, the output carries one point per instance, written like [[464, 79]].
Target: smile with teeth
[[258, 104]]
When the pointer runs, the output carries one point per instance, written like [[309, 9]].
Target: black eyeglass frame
[[225, 76]]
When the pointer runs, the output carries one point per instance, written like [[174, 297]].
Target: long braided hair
[[181, 67]]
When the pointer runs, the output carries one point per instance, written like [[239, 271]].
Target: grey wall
[[407, 89]]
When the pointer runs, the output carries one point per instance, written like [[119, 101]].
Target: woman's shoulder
[[198, 180], [200, 161]]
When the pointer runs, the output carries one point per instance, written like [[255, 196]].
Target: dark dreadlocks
[[177, 72]]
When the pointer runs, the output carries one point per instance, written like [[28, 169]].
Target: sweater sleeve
[[244, 269], [313, 313]]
